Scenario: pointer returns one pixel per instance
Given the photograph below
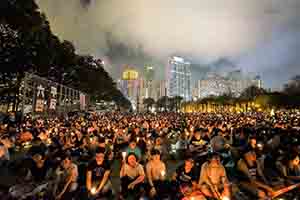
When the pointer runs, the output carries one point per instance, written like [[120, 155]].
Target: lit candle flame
[[225, 198], [272, 112], [93, 190], [163, 173]]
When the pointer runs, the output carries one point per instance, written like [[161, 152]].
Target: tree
[[178, 100], [251, 92], [162, 102], [148, 102], [28, 45]]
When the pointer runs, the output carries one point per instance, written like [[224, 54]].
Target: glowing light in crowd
[[272, 113], [124, 155], [93, 190], [163, 173], [225, 198]]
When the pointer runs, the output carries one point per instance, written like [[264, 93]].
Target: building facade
[[216, 85], [178, 77]]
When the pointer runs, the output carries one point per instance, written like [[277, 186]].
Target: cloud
[[201, 30]]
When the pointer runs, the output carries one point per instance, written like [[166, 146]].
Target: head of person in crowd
[[132, 143], [101, 142], [66, 161], [188, 163], [132, 160], [158, 141], [155, 154], [100, 155], [252, 142], [294, 159], [214, 159], [197, 134], [38, 158]]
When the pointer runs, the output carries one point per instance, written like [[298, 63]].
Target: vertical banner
[[39, 105], [52, 105], [82, 101]]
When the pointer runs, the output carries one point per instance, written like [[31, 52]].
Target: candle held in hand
[[93, 190], [124, 155]]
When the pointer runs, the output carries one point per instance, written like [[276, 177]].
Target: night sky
[[259, 36]]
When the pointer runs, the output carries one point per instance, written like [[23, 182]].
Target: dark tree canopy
[[27, 44]]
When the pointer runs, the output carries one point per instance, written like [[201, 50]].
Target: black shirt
[[184, 177], [200, 145], [98, 170], [38, 174]]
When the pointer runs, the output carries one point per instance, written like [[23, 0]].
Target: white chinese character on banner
[[53, 91], [41, 91]]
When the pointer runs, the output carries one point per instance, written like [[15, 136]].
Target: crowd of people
[[218, 156]]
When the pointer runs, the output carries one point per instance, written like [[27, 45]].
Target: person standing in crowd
[[213, 181], [132, 177], [156, 173], [97, 176], [66, 183]]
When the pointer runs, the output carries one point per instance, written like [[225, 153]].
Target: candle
[[163, 173], [225, 198], [124, 155], [93, 190], [137, 139]]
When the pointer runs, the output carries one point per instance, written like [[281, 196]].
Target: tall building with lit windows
[[149, 81], [178, 77]]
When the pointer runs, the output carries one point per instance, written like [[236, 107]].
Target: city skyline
[[255, 36]]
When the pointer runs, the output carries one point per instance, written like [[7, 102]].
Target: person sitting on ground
[[213, 181], [252, 177], [133, 148], [4, 154], [132, 176], [197, 144], [185, 175], [156, 173], [290, 169], [66, 183], [98, 172], [38, 166]]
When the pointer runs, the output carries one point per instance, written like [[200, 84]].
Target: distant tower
[[179, 78], [131, 83], [149, 79]]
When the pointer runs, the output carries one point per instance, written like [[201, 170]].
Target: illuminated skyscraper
[[149, 81], [179, 78]]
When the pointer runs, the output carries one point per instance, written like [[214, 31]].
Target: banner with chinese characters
[[82, 101], [53, 95], [39, 105]]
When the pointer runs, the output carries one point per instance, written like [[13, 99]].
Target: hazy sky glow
[[261, 36]]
